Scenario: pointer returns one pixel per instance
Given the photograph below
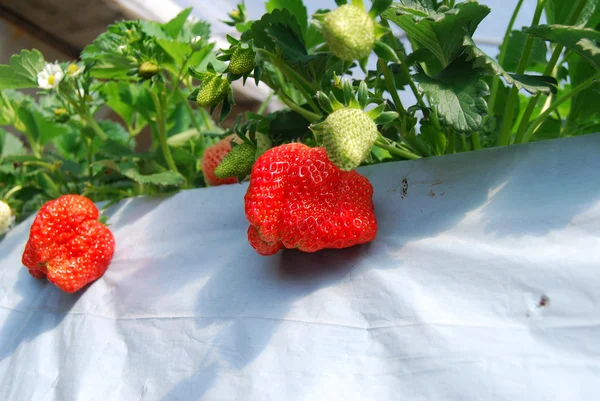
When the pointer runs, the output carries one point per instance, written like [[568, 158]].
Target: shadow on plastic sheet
[[413, 201], [133, 210], [425, 198], [551, 183], [265, 301], [24, 324]]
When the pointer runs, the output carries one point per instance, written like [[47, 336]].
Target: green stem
[[513, 97], [391, 86], [192, 115], [89, 119], [476, 140], [90, 158], [310, 116], [451, 142], [502, 56], [292, 76], [265, 104], [547, 71], [13, 191], [393, 150], [566, 96], [162, 129]]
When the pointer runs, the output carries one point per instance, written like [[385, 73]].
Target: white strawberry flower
[[6, 217], [50, 76]]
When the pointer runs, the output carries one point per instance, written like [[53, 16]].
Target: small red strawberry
[[298, 198], [67, 244], [212, 158]]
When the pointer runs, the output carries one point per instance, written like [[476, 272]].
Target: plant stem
[[476, 140], [162, 129], [396, 151], [89, 119], [310, 116], [294, 78], [190, 111], [451, 142], [513, 97], [566, 96], [265, 104], [502, 56], [13, 191], [391, 86], [547, 71], [90, 156]]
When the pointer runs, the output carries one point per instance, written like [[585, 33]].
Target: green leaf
[[139, 98], [279, 32], [174, 27], [442, 32], [178, 51], [28, 63], [417, 7], [286, 126], [295, 7], [558, 11], [379, 6], [550, 129], [434, 139], [585, 106], [458, 92], [516, 43], [582, 41], [116, 133], [385, 52], [38, 126], [9, 79], [10, 145], [130, 170], [69, 144], [533, 84], [154, 29], [22, 71]]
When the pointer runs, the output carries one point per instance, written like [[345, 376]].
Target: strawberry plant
[[58, 145]]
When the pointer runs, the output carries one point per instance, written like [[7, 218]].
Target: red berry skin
[[298, 198], [212, 157], [67, 244]]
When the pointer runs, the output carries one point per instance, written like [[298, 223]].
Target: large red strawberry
[[212, 157], [298, 198], [67, 244]]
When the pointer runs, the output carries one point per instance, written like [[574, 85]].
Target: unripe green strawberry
[[349, 32], [6, 217], [148, 69], [349, 135], [212, 91], [242, 61], [238, 162]]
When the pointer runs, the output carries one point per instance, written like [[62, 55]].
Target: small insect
[[404, 188], [544, 301]]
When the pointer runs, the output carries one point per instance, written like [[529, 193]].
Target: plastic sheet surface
[[483, 284]]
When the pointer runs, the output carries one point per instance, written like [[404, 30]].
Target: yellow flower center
[[72, 69], [51, 79]]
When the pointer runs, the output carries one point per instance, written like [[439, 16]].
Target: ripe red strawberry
[[298, 198], [212, 158], [67, 244]]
